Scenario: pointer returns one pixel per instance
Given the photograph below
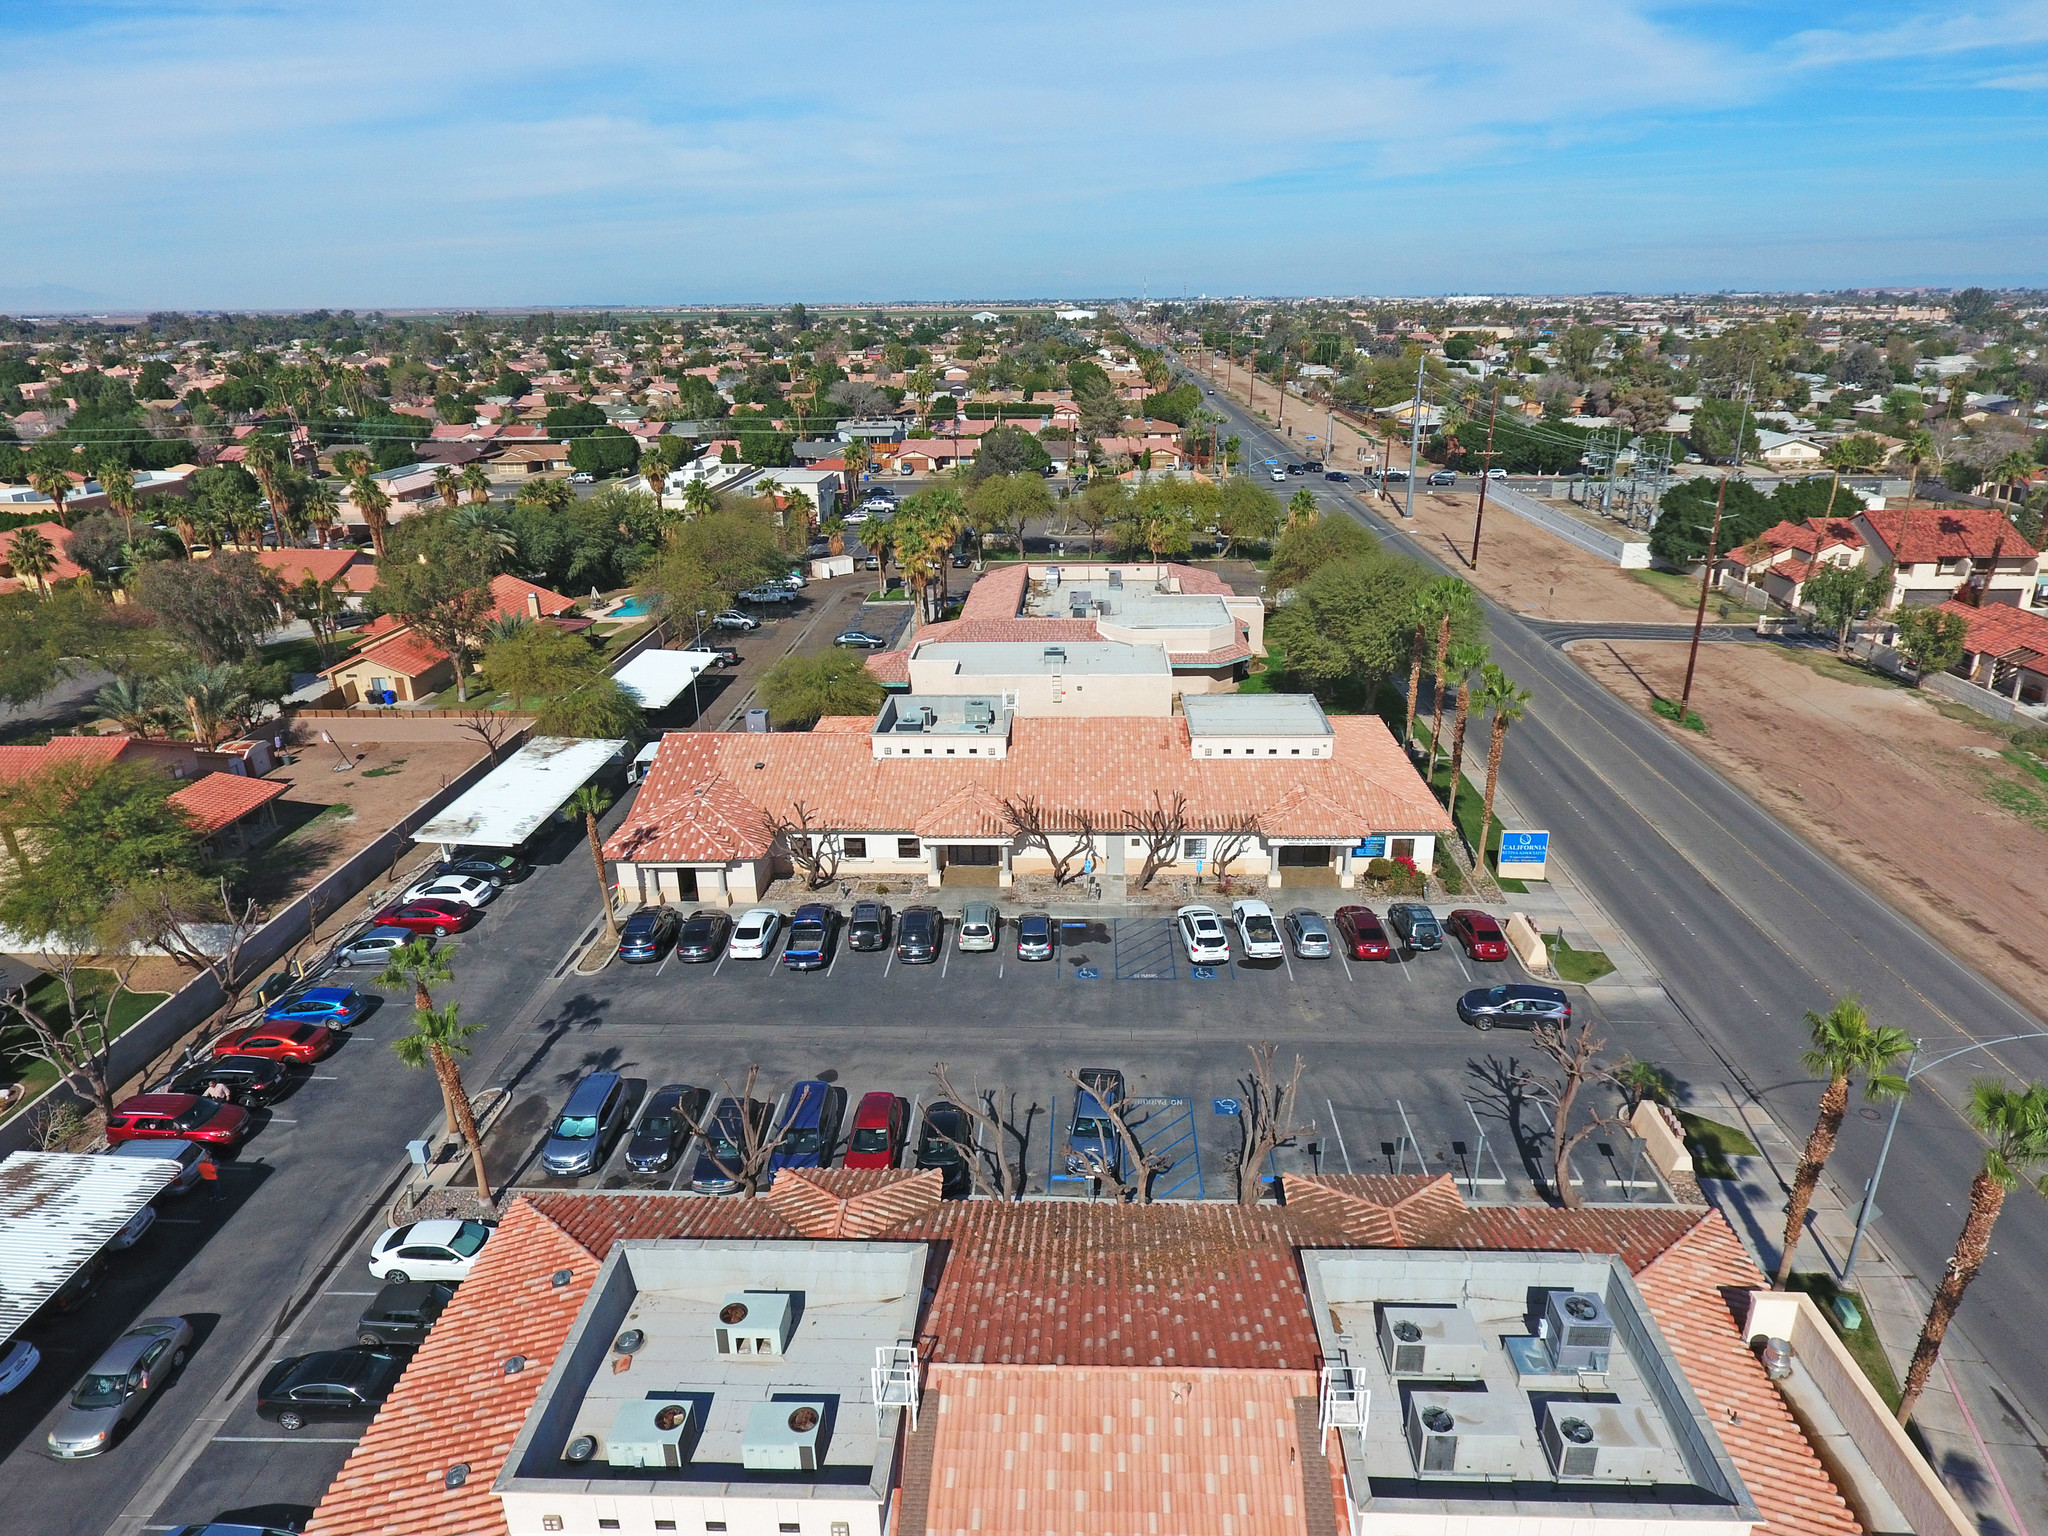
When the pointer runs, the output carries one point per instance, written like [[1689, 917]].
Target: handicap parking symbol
[[1203, 972], [1088, 973]]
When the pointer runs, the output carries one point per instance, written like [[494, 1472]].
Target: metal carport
[[513, 801]]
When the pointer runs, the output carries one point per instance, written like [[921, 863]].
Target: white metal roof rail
[[895, 1381]]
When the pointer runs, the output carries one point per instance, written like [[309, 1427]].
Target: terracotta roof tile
[[1944, 533], [2003, 630], [295, 565], [404, 653], [18, 763], [852, 1202], [215, 801], [510, 594]]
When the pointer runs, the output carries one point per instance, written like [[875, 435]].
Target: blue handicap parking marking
[[1226, 1106], [1088, 973], [1203, 972]]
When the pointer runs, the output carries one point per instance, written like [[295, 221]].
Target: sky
[[273, 154]]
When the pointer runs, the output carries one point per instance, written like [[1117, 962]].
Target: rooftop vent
[[1463, 1435], [1116, 578], [756, 1324], [1056, 653], [1442, 1343], [649, 1433], [1601, 1442], [929, 715], [1577, 1330], [785, 1436]]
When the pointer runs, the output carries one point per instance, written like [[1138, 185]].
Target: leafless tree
[[747, 1164], [812, 849], [79, 1046], [1130, 1175], [1574, 1051], [1265, 1120], [57, 1124], [1159, 828], [488, 727], [202, 930], [1231, 843], [1031, 821], [990, 1162]]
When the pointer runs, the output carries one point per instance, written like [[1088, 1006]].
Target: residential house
[[519, 459], [1781, 558], [1785, 450], [230, 810], [392, 659], [357, 568], [1937, 552], [2006, 652], [53, 534]]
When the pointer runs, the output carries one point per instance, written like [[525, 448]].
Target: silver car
[[979, 925], [122, 1381], [1310, 933], [374, 947]]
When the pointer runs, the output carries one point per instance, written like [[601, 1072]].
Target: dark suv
[[868, 928], [1415, 925], [917, 935], [402, 1313]]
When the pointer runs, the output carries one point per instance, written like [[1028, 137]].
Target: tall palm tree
[[1916, 448], [590, 802], [857, 456], [118, 481], [446, 486], [1505, 702], [265, 457], [487, 526], [33, 558], [2015, 1121], [321, 508], [370, 500], [699, 500], [50, 478], [1465, 659], [1301, 507], [1845, 1043], [1453, 601], [476, 482], [132, 703], [418, 964], [2015, 469], [438, 1037]]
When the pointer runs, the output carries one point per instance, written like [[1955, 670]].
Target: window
[[607, 1525], [908, 848], [1194, 847], [854, 847]]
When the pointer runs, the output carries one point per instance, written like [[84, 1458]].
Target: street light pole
[[1414, 437]]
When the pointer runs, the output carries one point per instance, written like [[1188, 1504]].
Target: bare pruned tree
[[1574, 1050], [488, 727], [1131, 1173], [746, 1160], [1265, 1120], [1035, 825], [78, 1045], [812, 849], [1232, 842], [995, 1155], [202, 929], [1159, 828]]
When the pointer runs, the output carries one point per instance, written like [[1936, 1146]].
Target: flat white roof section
[[58, 1209], [658, 678], [526, 789]]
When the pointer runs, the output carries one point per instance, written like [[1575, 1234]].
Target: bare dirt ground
[[1926, 810], [1535, 573]]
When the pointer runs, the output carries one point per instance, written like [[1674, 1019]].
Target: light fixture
[[561, 1277], [457, 1475], [629, 1342], [514, 1364]]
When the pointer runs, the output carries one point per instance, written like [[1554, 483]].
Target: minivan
[[583, 1133], [917, 935], [979, 924]]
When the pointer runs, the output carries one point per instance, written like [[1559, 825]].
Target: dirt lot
[[1975, 875]]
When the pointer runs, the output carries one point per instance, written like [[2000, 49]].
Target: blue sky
[[280, 154]]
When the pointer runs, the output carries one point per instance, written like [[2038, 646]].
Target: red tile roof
[[216, 801], [404, 654], [57, 535], [511, 594], [295, 565], [1945, 533], [18, 763], [2003, 630]]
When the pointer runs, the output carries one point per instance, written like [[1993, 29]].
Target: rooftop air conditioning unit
[[785, 1436], [980, 712], [1463, 1435], [1052, 575], [1578, 1331], [756, 1324], [1056, 653], [1442, 1343], [1116, 578], [1602, 1442], [649, 1433], [929, 715]]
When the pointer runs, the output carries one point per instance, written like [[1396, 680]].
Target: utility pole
[[1414, 437], [1699, 617], [1484, 470]]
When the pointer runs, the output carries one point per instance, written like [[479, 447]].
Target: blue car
[[336, 1007], [1092, 1134], [809, 946], [810, 1118]]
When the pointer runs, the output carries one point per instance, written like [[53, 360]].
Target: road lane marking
[[351, 1293], [277, 1440]]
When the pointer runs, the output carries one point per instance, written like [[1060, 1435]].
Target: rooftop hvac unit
[[1601, 1442], [785, 1436], [1442, 1343], [1464, 1435], [1577, 1330], [1116, 578], [756, 1324], [980, 712], [1056, 653], [929, 715], [1052, 575], [649, 1433]]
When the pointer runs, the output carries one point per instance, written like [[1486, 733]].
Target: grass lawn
[[46, 996], [339, 811], [1575, 965], [480, 697], [1843, 669], [1684, 591], [1861, 1341], [1712, 1144], [303, 655], [1471, 801], [619, 639]]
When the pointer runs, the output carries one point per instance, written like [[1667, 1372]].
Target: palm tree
[[1845, 1042], [2016, 468], [476, 482], [322, 507], [857, 456], [370, 500], [130, 703], [1454, 600], [417, 964], [50, 478], [33, 558], [2015, 1120], [1916, 448], [208, 697], [1301, 507], [118, 481], [1465, 659], [590, 802], [699, 500], [264, 457], [483, 523], [445, 484], [1435, 604], [438, 1037], [1502, 699]]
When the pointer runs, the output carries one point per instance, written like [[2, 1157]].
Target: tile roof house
[[2006, 651], [222, 805], [1935, 552], [391, 658], [1779, 559]]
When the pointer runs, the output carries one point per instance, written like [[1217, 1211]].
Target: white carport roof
[[58, 1209], [657, 678], [512, 801]]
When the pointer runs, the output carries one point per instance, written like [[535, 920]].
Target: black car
[[1515, 1005], [249, 1080], [702, 936], [1294, 469], [918, 932], [402, 1313], [647, 935], [1415, 925], [1034, 936], [868, 929], [482, 869], [723, 655], [939, 1139], [333, 1384], [664, 1130], [1338, 475], [1312, 466], [726, 1145], [503, 866], [962, 561]]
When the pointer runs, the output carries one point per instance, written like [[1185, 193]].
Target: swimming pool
[[635, 607]]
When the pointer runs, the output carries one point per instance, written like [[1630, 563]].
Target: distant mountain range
[[51, 298]]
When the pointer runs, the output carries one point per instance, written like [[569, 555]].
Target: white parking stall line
[[724, 956], [323, 1077], [837, 950], [351, 1293], [1461, 964], [946, 964], [279, 1120], [1285, 961], [283, 1440], [888, 962], [1344, 960], [664, 964]]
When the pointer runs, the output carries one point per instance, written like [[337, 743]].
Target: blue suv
[[810, 1119]]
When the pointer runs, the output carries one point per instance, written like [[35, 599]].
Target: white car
[[1280, 475], [732, 618], [21, 1358], [131, 1234], [470, 890], [1496, 474], [429, 1250], [1202, 935], [1256, 930], [583, 477], [753, 936]]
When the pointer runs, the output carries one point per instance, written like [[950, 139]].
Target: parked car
[[1364, 936], [1338, 475], [702, 936], [920, 932], [646, 936], [332, 1384], [374, 946], [859, 640], [1034, 936], [336, 1007], [879, 1124], [184, 1116], [1514, 1006], [809, 945], [1092, 1134], [753, 936], [1443, 477], [768, 596], [16, 1362], [188, 1155], [78, 1290], [437, 917], [402, 1313], [720, 1154], [583, 477], [1280, 474], [429, 1250], [466, 889], [810, 1126], [584, 1131], [980, 923], [129, 1373], [943, 1132], [509, 872], [1256, 931], [732, 618], [1496, 474], [1416, 925], [251, 1081], [962, 560], [132, 1230], [1202, 935], [1395, 477], [868, 929], [664, 1128], [302, 1044], [1311, 935], [722, 655], [1479, 933]]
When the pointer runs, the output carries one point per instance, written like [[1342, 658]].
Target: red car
[[429, 914], [301, 1043], [1479, 933], [1364, 938], [878, 1127], [181, 1116]]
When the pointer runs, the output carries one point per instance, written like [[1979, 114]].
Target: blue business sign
[[1523, 855], [1370, 848]]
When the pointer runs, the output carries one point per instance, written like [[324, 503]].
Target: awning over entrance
[[513, 801]]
